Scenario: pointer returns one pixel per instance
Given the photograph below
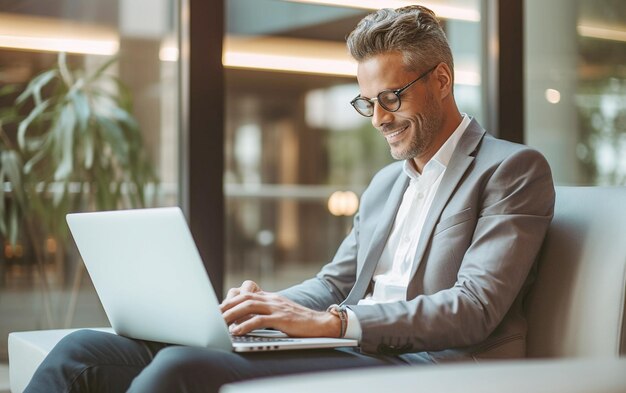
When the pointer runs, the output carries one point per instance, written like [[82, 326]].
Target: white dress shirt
[[392, 274]]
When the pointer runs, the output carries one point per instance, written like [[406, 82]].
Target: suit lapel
[[379, 239], [461, 160]]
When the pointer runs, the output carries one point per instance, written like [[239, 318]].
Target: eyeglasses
[[389, 100]]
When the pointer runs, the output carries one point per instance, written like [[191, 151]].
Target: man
[[436, 266]]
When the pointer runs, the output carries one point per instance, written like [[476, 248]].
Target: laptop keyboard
[[255, 339]]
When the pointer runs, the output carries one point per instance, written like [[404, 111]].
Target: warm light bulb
[[343, 203], [553, 96]]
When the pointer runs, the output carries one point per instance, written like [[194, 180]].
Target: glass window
[[297, 155], [576, 88], [96, 129]]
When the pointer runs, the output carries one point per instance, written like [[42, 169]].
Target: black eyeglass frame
[[396, 92]]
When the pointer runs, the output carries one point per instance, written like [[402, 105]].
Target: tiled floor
[[4, 378]]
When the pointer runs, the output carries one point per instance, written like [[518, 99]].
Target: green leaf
[[76, 88], [65, 143], [124, 95], [66, 75], [35, 86], [8, 115], [114, 135], [103, 103], [11, 165], [14, 226], [28, 167], [36, 143], [98, 73], [81, 106], [3, 228], [123, 116], [24, 124], [59, 192], [88, 148]]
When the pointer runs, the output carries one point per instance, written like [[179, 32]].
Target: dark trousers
[[91, 361]]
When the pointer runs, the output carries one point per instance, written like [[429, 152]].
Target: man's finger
[[246, 286], [232, 293], [250, 286], [242, 320], [229, 303], [255, 322], [247, 305]]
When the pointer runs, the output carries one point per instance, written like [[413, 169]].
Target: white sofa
[[554, 376], [28, 349], [575, 313]]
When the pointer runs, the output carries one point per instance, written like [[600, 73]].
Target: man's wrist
[[341, 313]]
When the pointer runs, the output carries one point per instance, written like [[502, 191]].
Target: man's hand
[[248, 307], [248, 286]]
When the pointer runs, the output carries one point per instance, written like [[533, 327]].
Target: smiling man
[[435, 269], [413, 131]]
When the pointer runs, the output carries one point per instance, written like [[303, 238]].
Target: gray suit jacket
[[474, 263]]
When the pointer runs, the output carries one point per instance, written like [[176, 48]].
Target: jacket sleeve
[[332, 284]]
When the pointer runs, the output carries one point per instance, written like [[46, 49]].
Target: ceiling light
[[602, 32], [288, 55], [442, 10], [50, 35], [302, 56]]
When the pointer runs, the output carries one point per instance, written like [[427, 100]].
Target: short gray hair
[[414, 31]]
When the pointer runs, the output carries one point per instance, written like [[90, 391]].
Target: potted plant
[[75, 146]]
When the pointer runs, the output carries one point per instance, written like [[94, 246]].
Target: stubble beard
[[426, 128]]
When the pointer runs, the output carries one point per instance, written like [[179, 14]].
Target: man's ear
[[443, 74]]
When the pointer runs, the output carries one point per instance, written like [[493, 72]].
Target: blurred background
[[292, 156]]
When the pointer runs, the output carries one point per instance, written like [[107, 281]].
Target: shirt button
[[420, 195]]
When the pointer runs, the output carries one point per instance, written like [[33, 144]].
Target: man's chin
[[400, 157], [399, 154]]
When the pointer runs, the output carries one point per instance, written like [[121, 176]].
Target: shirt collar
[[439, 162]]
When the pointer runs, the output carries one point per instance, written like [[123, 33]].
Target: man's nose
[[380, 116]]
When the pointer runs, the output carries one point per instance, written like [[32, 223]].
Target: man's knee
[[79, 346], [180, 368], [78, 349], [178, 360], [65, 362], [91, 359]]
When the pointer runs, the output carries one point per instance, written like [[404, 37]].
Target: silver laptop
[[153, 285]]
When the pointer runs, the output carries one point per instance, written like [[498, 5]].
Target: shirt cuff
[[353, 330]]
